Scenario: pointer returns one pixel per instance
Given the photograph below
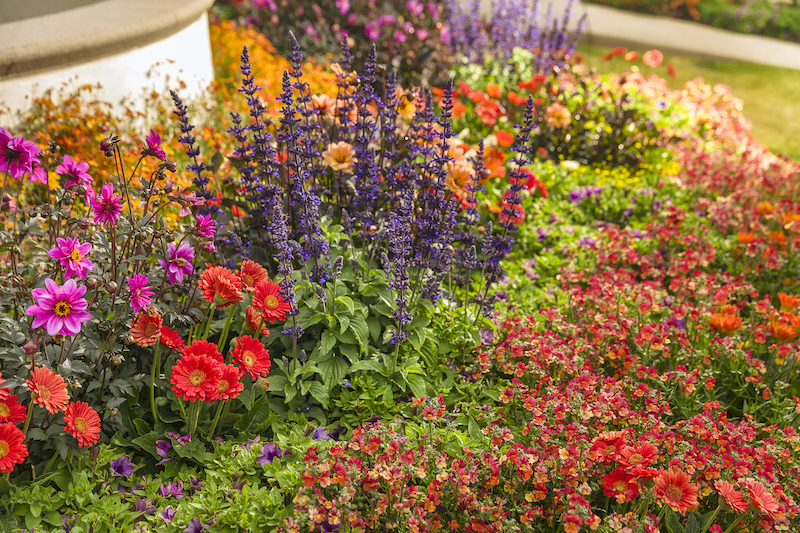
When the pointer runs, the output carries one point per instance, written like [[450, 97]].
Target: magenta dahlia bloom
[[107, 206], [60, 309], [76, 173], [154, 146], [16, 154], [205, 226], [140, 292], [72, 255], [179, 264], [38, 172]]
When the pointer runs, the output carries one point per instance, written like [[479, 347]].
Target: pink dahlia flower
[[154, 146], [17, 155], [107, 206], [76, 173], [72, 255], [205, 226], [60, 309], [140, 292], [179, 264]]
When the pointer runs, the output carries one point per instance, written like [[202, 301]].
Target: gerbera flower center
[[610, 449], [62, 308], [75, 255], [43, 392], [197, 378], [4, 410], [4, 449], [620, 486], [80, 425], [249, 280], [223, 386], [249, 358], [271, 302], [674, 493], [635, 459], [151, 329]]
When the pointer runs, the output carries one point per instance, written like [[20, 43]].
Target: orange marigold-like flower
[[230, 384], [761, 498], [788, 301], [676, 490], [765, 208], [251, 356], [220, 286], [171, 340], [82, 421], [48, 389], [725, 322], [253, 318], [11, 411], [732, 497], [268, 299], [146, 329], [12, 447], [251, 273], [339, 156], [782, 332]]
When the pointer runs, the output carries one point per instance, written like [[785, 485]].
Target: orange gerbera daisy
[[48, 389], [782, 332], [196, 377], [12, 447], [209, 349], [621, 486], [251, 273], [725, 322], [171, 340], [251, 356], [11, 410], [220, 286], [146, 329], [732, 497], [641, 455], [230, 384], [788, 301], [82, 421], [268, 299], [761, 499], [676, 490], [608, 445], [253, 318]]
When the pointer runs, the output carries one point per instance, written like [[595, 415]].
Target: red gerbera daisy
[[253, 318], [251, 356], [676, 490], [196, 377], [206, 348], [48, 389], [170, 339], [731, 496], [82, 421], [250, 274], [146, 329], [230, 384], [11, 410], [12, 447], [620, 485], [608, 445], [220, 286], [268, 299], [761, 499], [642, 455]]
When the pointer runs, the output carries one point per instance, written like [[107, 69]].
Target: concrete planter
[[47, 43]]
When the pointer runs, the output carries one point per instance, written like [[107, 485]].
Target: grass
[[771, 95]]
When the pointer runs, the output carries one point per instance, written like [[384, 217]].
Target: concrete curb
[[91, 32]]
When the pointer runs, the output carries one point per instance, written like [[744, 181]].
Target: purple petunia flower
[[154, 146], [122, 467], [60, 309], [321, 433], [205, 226], [140, 292], [172, 490], [269, 452], [195, 526], [179, 264], [72, 255], [17, 156], [168, 514], [76, 173], [162, 448], [107, 206]]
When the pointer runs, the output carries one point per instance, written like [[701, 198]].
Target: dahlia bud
[[112, 287], [171, 166], [58, 339], [262, 383], [91, 283], [83, 223], [30, 347], [169, 186]]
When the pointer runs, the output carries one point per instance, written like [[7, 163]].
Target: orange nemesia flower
[[676, 490], [48, 389], [745, 237]]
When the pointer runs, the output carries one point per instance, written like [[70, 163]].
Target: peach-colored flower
[[676, 490], [652, 58], [48, 389], [761, 498], [557, 116], [459, 176], [731, 496], [251, 273], [325, 104], [339, 156]]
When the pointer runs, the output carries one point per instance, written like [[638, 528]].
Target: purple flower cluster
[[577, 196]]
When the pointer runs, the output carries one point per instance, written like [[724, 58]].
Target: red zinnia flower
[[251, 273], [196, 377], [641, 455], [11, 410], [251, 356], [170, 339], [146, 329], [12, 447], [253, 318], [209, 349], [220, 286], [230, 384], [268, 299], [676, 490], [48, 389], [608, 445], [82, 421], [761, 499], [620, 485], [731, 496]]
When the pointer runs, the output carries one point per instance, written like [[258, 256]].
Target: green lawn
[[771, 95]]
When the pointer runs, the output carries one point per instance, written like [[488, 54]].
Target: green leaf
[[692, 526], [673, 522], [277, 383], [344, 323], [387, 395], [347, 302], [375, 328], [418, 386], [148, 443], [319, 392], [474, 429], [333, 371], [193, 449], [350, 351], [142, 427], [368, 366], [326, 342]]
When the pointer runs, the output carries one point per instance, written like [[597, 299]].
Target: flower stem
[[222, 406], [210, 319], [224, 337], [156, 368]]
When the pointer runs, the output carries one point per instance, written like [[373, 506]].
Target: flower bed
[[523, 301]]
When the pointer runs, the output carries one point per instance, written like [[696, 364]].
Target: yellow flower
[[339, 156]]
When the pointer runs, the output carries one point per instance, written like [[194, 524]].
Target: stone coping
[[91, 32]]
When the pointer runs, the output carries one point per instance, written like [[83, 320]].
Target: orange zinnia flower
[[82, 421], [48, 389], [146, 329], [12, 447], [765, 208], [676, 490], [731, 496], [782, 332], [725, 322], [788, 301], [220, 286], [761, 499], [251, 273]]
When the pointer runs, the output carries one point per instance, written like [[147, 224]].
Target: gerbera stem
[[156, 368], [710, 520], [222, 406], [226, 329], [194, 415], [210, 319]]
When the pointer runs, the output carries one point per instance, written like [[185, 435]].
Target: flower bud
[[169, 187], [171, 166], [262, 383], [83, 223], [112, 287], [105, 145], [91, 283], [30, 347]]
